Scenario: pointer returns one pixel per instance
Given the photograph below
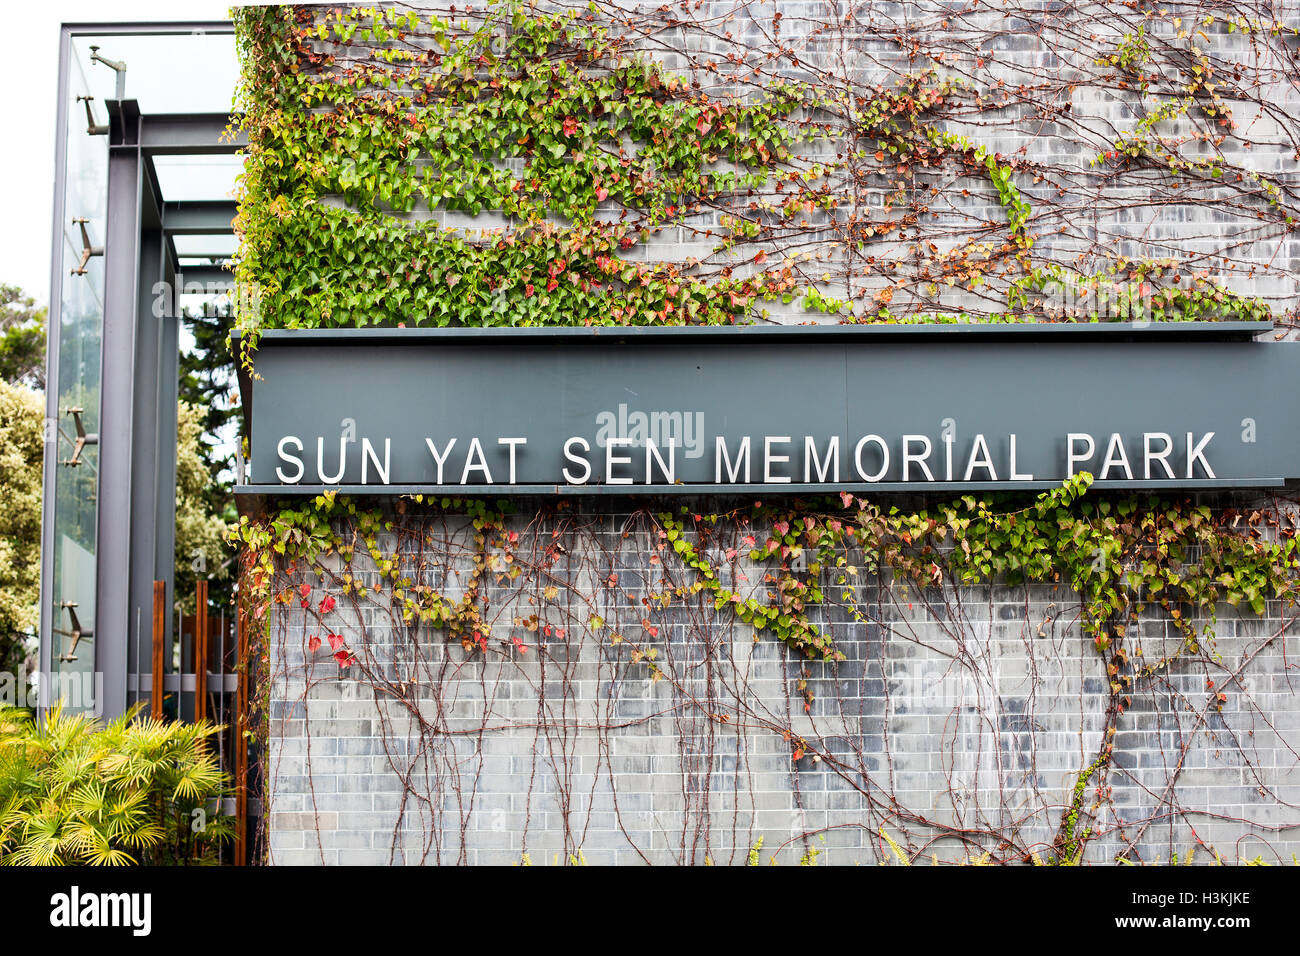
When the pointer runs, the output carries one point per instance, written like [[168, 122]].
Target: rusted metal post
[[200, 651], [159, 635]]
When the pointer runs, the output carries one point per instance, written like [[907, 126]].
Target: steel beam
[[188, 134], [198, 218], [164, 504], [146, 449], [211, 278], [113, 604]]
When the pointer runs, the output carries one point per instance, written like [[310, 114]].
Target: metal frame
[[135, 511]]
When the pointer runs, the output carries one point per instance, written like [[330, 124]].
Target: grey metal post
[[113, 624], [168, 391], [145, 448]]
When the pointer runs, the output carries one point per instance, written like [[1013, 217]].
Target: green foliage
[[201, 549], [1133, 291], [135, 791], [1070, 842], [22, 339], [303, 535], [1122, 555], [207, 382], [539, 117], [21, 452]]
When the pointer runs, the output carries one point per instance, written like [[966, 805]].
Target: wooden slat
[[201, 651], [159, 635]]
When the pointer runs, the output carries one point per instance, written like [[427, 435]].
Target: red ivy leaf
[[327, 604], [313, 643], [336, 641]]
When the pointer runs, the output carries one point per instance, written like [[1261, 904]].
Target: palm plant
[[137, 790]]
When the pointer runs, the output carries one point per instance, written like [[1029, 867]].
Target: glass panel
[[79, 329], [194, 178], [168, 73], [219, 246]]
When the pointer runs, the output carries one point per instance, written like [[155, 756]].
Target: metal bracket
[[83, 439], [87, 250], [92, 128], [77, 632], [117, 66]]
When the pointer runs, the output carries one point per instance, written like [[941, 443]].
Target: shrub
[[73, 791]]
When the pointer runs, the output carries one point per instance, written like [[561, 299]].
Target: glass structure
[[144, 194]]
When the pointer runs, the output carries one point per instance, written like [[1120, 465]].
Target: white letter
[[279, 472], [440, 460], [742, 458], [89, 910], [1014, 476], [611, 460], [1071, 458], [320, 461], [1196, 453], [475, 449], [908, 457], [769, 459], [570, 456], [884, 458], [59, 915], [652, 455], [511, 443], [980, 460], [143, 918], [949, 435], [1115, 455], [368, 455], [1161, 457], [831, 466]]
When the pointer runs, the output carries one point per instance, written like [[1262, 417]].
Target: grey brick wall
[[959, 724]]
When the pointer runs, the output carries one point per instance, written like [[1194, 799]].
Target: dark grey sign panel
[[791, 409]]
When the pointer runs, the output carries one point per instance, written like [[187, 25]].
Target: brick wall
[[959, 723]]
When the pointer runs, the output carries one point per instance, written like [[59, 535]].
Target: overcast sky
[[27, 161]]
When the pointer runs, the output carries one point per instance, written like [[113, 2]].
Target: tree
[[21, 451], [207, 382], [22, 338], [201, 548]]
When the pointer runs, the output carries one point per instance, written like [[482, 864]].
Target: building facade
[[994, 609]]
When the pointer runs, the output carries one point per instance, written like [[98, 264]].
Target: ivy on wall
[[1128, 558], [367, 125]]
